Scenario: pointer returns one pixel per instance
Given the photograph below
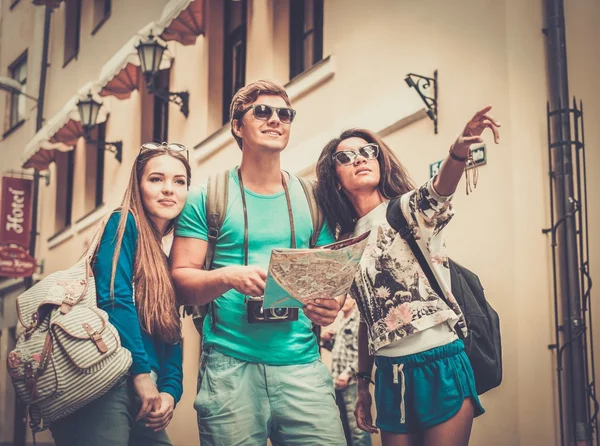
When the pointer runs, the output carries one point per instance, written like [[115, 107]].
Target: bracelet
[[456, 157], [365, 376]]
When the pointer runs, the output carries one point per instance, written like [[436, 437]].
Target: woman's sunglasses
[[347, 157], [172, 146], [264, 112]]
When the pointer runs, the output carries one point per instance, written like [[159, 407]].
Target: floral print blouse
[[391, 290]]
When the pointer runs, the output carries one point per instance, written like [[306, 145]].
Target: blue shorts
[[416, 392], [242, 403]]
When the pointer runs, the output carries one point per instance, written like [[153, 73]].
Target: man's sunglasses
[[264, 112], [347, 157], [172, 146]]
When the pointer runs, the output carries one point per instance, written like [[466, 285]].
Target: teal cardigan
[[148, 352]]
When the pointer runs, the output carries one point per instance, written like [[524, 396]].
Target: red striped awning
[[120, 76], [123, 83], [59, 133], [69, 133], [183, 21]]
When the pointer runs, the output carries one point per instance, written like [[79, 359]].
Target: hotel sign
[[16, 262], [15, 214]]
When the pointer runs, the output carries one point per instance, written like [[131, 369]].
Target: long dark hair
[[339, 211], [154, 291]]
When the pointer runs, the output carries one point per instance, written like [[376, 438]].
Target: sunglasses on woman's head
[[347, 157], [173, 146], [264, 112]]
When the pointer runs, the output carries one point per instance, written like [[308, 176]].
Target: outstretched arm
[[454, 165]]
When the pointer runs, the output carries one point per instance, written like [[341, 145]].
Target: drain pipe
[[577, 402]]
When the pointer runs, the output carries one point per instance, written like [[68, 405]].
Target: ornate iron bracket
[[180, 98], [115, 147], [422, 85]]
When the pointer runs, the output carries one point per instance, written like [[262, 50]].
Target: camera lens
[[259, 313], [279, 313]]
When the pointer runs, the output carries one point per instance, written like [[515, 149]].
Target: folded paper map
[[296, 276]]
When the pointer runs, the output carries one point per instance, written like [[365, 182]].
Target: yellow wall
[[17, 37]]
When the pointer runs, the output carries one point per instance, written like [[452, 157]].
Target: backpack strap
[[217, 194], [398, 222], [316, 214], [318, 218]]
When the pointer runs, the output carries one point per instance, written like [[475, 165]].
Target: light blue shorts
[[242, 403]]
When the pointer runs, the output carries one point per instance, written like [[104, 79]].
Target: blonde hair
[[248, 94], [154, 290]]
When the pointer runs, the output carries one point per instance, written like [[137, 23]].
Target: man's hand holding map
[[297, 276]]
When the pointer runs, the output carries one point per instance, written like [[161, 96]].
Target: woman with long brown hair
[[424, 388], [133, 285]]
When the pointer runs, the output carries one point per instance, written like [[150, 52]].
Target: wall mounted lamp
[[88, 113], [151, 54]]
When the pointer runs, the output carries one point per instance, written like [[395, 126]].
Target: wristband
[[365, 376], [455, 157]]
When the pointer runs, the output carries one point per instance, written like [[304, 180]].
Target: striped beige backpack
[[69, 354]]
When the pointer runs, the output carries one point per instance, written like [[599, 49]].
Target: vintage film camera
[[257, 314]]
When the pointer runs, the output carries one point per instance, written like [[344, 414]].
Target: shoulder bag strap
[[217, 193], [398, 222], [316, 215]]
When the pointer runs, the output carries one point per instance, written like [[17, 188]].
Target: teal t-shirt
[[281, 343]]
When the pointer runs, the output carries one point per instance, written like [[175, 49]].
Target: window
[[234, 52], [18, 72], [72, 28], [160, 124], [154, 110], [94, 169], [306, 35], [65, 162], [101, 13]]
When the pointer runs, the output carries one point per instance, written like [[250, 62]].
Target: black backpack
[[482, 345]]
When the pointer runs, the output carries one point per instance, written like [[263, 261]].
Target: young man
[[343, 343], [256, 380]]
